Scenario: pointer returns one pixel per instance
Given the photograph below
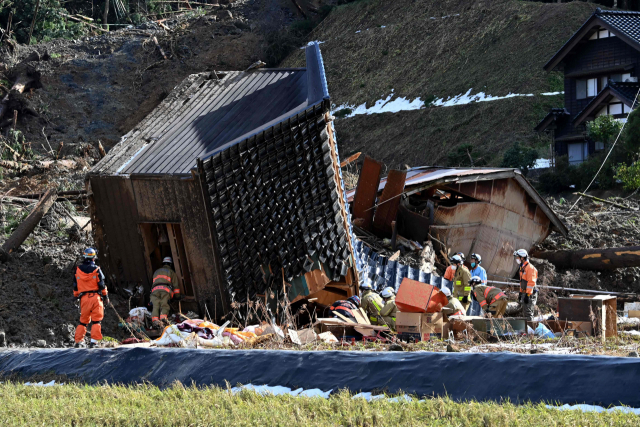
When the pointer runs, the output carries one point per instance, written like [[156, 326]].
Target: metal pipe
[[557, 288]]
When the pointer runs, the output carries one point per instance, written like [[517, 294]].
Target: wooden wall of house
[[121, 204], [592, 56]]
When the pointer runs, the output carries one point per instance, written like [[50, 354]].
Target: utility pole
[[33, 22]]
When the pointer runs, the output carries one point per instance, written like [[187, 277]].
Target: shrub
[[464, 156], [521, 157]]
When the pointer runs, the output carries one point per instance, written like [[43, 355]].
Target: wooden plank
[[389, 201], [25, 228], [343, 317], [364, 315], [366, 191]]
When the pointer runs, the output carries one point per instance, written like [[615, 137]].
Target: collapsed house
[[492, 212], [236, 176]]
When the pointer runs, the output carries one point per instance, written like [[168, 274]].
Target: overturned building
[[492, 212], [236, 176]]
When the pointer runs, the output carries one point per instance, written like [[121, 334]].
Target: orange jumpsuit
[[449, 273], [89, 287]]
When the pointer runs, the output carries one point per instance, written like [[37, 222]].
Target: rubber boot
[[81, 344]]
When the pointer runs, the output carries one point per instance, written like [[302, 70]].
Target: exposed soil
[[594, 225]]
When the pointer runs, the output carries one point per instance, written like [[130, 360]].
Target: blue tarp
[[596, 380]]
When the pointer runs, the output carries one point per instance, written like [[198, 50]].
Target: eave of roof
[[556, 114], [612, 89], [593, 21], [420, 178]]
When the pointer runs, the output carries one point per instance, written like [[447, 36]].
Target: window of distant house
[[601, 34], [615, 107], [586, 88], [599, 146]]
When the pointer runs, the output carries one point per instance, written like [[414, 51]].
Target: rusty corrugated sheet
[[387, 208], [366, 191]]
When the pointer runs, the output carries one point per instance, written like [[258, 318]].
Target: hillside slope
[[435, 51]]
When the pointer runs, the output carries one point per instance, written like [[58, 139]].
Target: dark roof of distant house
[[209, 112], [626, 92], [553, 115], [624, 24]]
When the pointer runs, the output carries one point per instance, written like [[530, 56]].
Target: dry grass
[[180, 406]]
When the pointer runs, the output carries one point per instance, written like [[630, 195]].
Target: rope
[[610, 151]]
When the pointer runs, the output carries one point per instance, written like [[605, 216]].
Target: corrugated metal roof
[[205, 114], [426, 174]]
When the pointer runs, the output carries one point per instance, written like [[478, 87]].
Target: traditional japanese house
[[600, 65], [236, 176]]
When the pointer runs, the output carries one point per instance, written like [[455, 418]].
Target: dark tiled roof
[[623, 24], [625, 91], [205, 114], [553, 115]]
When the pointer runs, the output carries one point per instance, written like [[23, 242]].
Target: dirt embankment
[[99, 88], [594, 225]]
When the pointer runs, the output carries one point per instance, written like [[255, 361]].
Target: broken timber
[[593, 259], [26, 227], [366, 191]]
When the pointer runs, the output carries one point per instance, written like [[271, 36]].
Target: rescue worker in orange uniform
[[491, 299], [90, 289], [528, 279], [164, 288]]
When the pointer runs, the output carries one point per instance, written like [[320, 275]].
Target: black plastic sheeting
[[597, 380]]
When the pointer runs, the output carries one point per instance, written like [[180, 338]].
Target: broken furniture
[[416, 297], [586, 311]]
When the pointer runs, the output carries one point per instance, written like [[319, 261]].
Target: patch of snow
[[41, 384], [594, 408], [572, 186], [467, 98], [628, 321], [635, 333], [542, 164], [383, 26], [359, 31], [552, 93], [386, 105]]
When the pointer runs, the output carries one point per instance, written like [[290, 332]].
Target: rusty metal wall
[[507, 219], [118, 240], [180, 200]]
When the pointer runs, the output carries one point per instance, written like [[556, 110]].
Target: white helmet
[[387, 292], [446, 291], [167, 260], [456, 259], [365, 285], [477, 257], [475, 280], [521, 253]]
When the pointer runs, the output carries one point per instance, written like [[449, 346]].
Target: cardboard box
[[408, 322], [634, 313], [423, 324], [418, 297]]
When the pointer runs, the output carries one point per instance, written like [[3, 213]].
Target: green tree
[[629, 175], [520, 157], [604, 129]]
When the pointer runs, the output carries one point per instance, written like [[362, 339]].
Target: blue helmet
[[89, 253], [354, 299]]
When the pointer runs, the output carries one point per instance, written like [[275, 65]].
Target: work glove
[[177, 297], [465, 300], [526, 299], [105, 299]]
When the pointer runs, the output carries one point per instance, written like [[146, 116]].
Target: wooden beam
[[23, 231], [593, 259]]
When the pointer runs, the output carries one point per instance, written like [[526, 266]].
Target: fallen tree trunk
[[593, 259], [23, 231]]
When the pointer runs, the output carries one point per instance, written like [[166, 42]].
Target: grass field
[[180, 406]]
